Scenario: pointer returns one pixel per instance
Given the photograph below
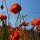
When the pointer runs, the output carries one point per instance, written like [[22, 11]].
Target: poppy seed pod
[[15, 8]]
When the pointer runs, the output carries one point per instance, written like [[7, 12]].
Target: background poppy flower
[[25, 23], [33, 31], [38, 27], [3, 17], [10, 28], [22, 29], [35, 22]]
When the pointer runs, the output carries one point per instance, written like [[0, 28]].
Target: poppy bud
[[2, 7]]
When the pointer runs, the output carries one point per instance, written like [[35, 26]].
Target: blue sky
[[29, 7]]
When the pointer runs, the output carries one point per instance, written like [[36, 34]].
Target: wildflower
[[3, 17], [25, 23], [38, 27], [15, 8], [36, 22]]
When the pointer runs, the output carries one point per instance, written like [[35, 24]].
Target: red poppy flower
[[17, 29], [10, 28], [22, 29], [36, 22], [38, 27], [3, 17], [10, 37], [15, 8], [15, 35], [25, 23]]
